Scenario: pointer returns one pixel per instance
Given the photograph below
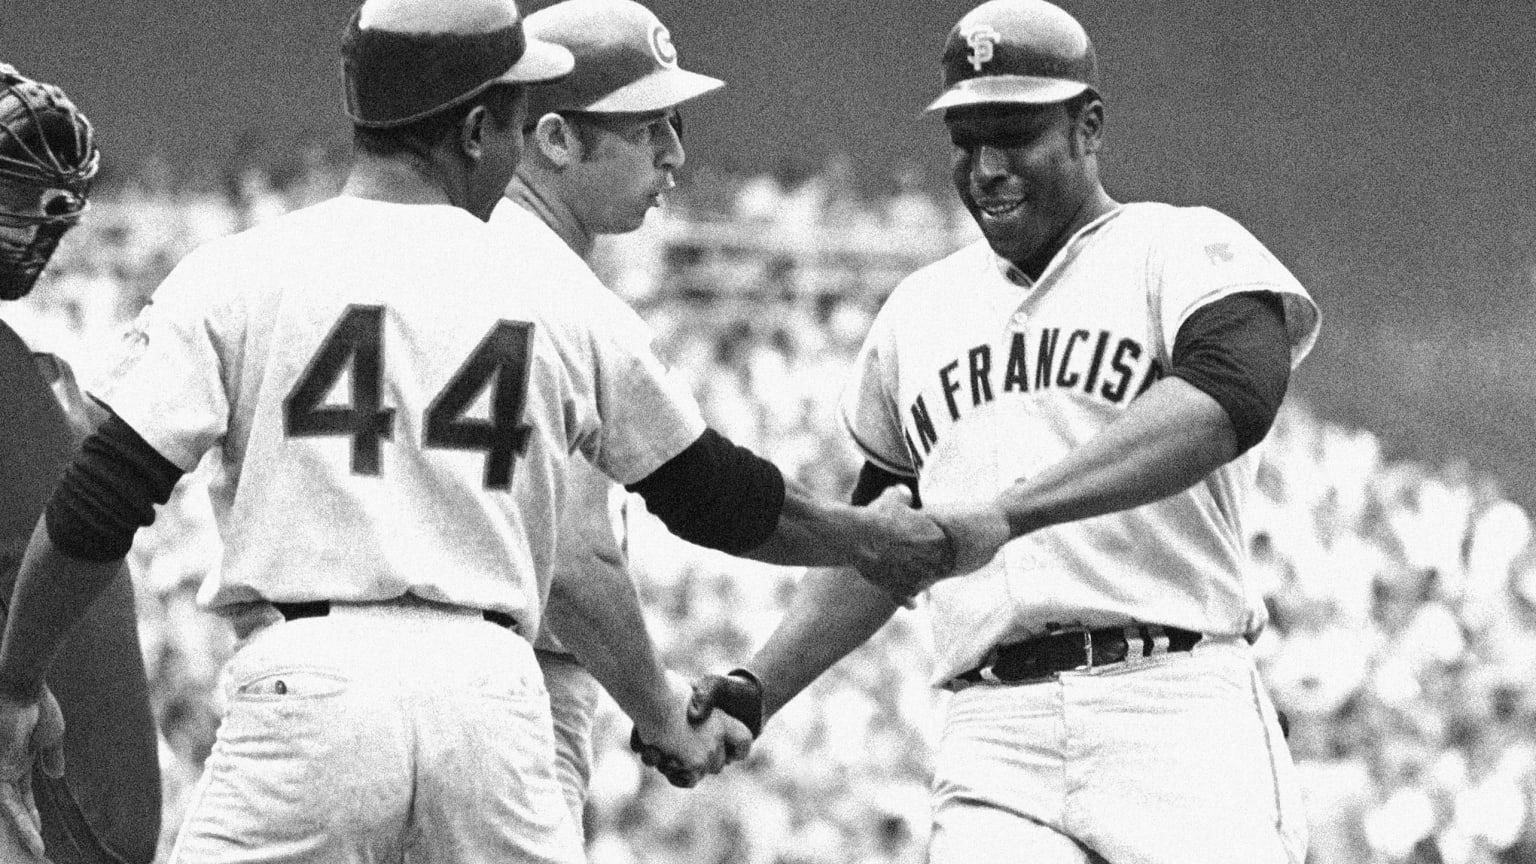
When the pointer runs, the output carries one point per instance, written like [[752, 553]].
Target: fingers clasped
[[710, 740], [919, 547], [31, 731], [904, 550]]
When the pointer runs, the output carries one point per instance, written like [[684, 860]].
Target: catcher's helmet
[[47, 160], [1016, 51]]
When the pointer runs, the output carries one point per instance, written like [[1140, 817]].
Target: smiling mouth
[[1000, 208]]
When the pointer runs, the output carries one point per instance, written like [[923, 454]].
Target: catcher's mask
[[47, 160]]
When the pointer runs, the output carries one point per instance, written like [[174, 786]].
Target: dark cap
[[625, 60], [1016, 51], [403, 60]]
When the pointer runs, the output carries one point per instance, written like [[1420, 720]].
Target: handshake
[[894, 547], [902, 551], [739, 695]]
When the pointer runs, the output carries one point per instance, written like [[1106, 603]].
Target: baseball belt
[[321, 608], [1042, 657]]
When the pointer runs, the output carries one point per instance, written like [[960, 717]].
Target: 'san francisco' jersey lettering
[[1063, 362]]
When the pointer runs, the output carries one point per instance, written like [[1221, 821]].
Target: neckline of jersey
[[437, 207], [1016, 277]]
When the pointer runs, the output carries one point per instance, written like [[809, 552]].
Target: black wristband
[[750, 713]]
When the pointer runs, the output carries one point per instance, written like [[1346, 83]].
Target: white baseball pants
[[1175, 759], [382, 733]]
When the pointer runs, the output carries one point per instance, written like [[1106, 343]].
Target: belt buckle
[[1087, 634], [1087, 649], [988, 671]]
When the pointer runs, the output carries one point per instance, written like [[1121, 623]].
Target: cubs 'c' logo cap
[[625, 60], [403, 60], [1020, 51]]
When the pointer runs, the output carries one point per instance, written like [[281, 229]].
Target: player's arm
[[595, 611], [833, 611], [722, 496], [105, 496], [1231, 367], [76, 550], [650, 437]]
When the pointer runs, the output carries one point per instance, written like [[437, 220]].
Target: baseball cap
[[1016, 51], [403, 60], [625, 60]]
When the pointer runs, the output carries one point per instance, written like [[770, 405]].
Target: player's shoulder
[[572, 299], [539, 251], [1181, 223], [972, 258], [267, 241], [218, 271], [970, 265], [1171, 232], [1237, 260]]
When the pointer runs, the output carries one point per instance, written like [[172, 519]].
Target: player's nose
[[670, 154], [989, 163]]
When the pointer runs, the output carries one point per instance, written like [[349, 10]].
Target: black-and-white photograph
[[813, 432]]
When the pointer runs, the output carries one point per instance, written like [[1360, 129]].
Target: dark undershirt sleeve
[[716, 494], [108, 493], [1237, 351], [874, 480]]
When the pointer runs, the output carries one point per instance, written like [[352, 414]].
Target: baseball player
[[394, 386], [1076, 398], [600, 148], [107, 807]]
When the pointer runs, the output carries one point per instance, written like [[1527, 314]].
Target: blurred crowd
[[1402, 595]]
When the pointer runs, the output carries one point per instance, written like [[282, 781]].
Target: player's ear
[[472, 130], [1088, 125], [556, 140]]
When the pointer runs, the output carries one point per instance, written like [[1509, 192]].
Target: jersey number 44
[[356, 345]]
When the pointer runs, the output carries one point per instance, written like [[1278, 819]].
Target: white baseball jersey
[[592, 523], [971, 379], [396, 390]]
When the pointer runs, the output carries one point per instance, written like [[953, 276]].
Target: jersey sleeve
[[1205, 255], [168, 379], [645, 414], [868, 406]]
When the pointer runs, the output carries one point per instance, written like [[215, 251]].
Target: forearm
[[1169, 439], [725, 497], [811, 532], [833, 612], [53, 591], [595, 611]]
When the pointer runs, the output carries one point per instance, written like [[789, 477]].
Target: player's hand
[[977, 532], [737, 693], [904, 551], [686, 752], [31, 729]]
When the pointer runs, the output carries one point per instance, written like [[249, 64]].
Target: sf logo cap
[[982, 40]]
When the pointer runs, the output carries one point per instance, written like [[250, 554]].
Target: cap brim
[[1015, 89], [541, 61], [656, 92]]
